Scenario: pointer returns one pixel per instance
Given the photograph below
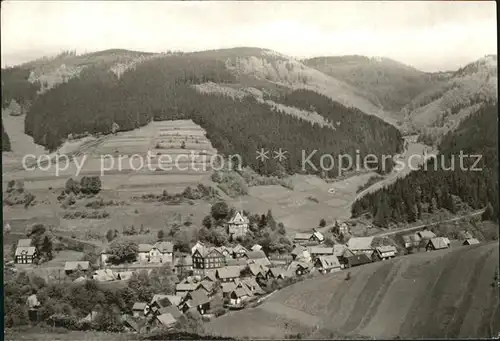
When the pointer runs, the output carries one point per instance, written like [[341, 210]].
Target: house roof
[[139, 306], [129, 320], [211, 275], [228, 272], [104, 275], [302, 236], [124, 275], [339, 249], [164, 247], [467, 235], [328, 262], [256, 247], [80, 279], [27, 250], [358, 259], [236, 262], [24, 243], [319, 236], [298, 264], [256, 254], [198, 297], [206, 251], [386, 248], [255, 268], [439, 243], [298, 250], [171, 309], [239, 249], [471, 241], [166, 319], [276, 271], [206, 284], [411, 238], [84, 265], [360, 243], [251, 283], [238, 218], [144, 247], [318, 250], [426, 234], [228, 287], [239, 292], [186, 287], [263, 262]]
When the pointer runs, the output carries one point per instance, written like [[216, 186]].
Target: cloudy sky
[[427, 35]]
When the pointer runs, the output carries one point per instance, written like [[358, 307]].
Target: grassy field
[[440, 294]]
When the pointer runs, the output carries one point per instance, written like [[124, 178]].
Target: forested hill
[[434, 188], [162, 89]]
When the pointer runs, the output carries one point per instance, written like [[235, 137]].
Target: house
[[167, 320], [343, 256], [207, 258], [138, 309], [210, 275], [196, 299], [206, 285], [301, 238], [317, 237], [316, 251], [104, 257], [238, 296], [255, 269], [339, 249], [411, 240], [276, 273], [301, 253], [104, 275], [239, 251], [256, 247], [464, 235], [300, 268], [228, 273], [437, 243], [226, 251], [131, 324], [69, 267], [257, 257], [25, 255], [241, 262], [198, 246], [384, 252], [161, 252], [356, 260], [237, 226], [253, 286], [471, 241], [359, 245], [342, 227], [426, 234], [327, 264], [185, 287], [183, 265], [160, 302], [227, 288]]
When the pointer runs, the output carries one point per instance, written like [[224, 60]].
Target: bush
[[90, 185], [86, 215]]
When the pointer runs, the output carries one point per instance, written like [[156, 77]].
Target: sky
[[430, 36]]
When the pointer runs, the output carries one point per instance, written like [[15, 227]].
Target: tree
[[160, 235], [90, 184], [207, 222], [489, 213], [110, 235], [121, 252], [219, 210], [47, 247], [72, 186], [322, 223]]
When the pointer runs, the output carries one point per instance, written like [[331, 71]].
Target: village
[[232, 274]]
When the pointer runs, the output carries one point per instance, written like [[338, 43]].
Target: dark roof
[[139, 306], [198, 297], [358, 259], [172, 309], [471, 241]]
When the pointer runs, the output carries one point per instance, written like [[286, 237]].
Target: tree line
[[437, 187]]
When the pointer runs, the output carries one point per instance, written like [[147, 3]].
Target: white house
[[238, 225], [161, 252], [385, 252]]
